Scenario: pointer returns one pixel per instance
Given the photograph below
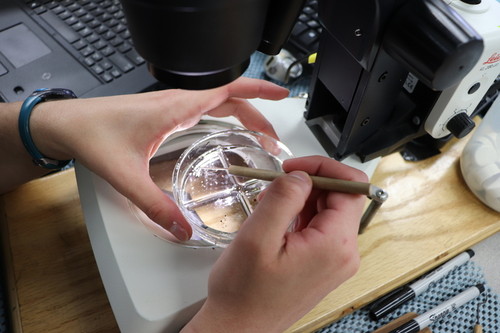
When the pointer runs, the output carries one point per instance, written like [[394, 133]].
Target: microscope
[[386, 76], [389, 76]]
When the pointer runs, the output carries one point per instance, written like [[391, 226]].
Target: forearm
[[16, 166]]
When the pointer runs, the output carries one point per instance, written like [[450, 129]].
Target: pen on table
[[441, 311], [400, 321], [323, 183], [400, 296]]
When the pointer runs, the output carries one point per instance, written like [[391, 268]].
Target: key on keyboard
[[96, 32], [304, 38]]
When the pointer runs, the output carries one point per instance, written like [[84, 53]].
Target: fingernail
[[178, 231], [301, 175]]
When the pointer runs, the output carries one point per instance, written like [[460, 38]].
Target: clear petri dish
[[161, 168], [214, 202]]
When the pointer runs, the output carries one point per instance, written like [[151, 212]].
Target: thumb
[[283, 201], [157, 205]]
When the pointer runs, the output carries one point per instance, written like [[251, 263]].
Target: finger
[[196, 103], [204, 100], [163, 211], [255, 88], [243, 87], [139, 188], [305, 216], [327, 167], [347, 208], [249, 116], [343, 212], [267, 224]]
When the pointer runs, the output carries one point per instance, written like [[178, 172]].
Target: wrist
[[216, 320], [28, 125], [46, 123]]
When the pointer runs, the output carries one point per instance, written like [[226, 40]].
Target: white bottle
[[480, 160]]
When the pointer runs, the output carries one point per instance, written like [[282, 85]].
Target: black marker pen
[[441, 311], [400, 296]]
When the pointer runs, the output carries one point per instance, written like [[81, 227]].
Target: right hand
[[268, 277]]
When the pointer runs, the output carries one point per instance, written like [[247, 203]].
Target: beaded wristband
[[38, 96]]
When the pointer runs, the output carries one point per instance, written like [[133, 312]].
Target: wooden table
[[55, 286]]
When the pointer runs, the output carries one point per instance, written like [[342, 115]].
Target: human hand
[[115, 137], [268, 278]]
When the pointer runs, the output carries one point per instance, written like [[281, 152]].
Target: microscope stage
[[154, 285]]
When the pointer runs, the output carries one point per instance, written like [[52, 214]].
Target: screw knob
[[460, 125]]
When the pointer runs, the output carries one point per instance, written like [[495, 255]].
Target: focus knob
[[460, 125]]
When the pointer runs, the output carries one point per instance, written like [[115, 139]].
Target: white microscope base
[[152, 285]]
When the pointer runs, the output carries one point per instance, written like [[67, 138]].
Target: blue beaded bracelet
[[38, 96]]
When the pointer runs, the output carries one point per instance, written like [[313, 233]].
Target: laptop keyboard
[[304, 38], [96, 32]]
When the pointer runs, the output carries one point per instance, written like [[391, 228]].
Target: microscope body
[[379, 85], [465, 96], [387, 71]]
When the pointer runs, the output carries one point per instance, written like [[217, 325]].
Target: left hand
[[115, 137]]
